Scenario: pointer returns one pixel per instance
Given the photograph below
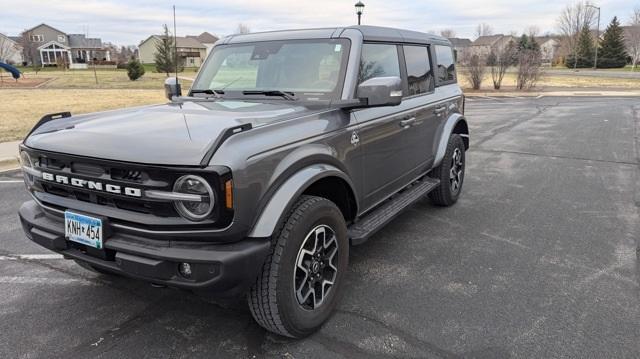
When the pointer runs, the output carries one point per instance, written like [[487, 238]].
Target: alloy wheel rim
[[316, 267], [456, 173]]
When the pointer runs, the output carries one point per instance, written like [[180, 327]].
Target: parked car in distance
[[290, 147]]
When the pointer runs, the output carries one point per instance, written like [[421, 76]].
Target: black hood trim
[[225, 135]]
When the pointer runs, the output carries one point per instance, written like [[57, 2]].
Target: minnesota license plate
[[83, 229]]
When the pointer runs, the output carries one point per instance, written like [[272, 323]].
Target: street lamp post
[[359, 9], [595, 61]]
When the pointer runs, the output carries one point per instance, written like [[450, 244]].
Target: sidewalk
[[9, 155], [559, 93]]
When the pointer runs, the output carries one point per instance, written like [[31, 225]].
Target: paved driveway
[[537, 259]]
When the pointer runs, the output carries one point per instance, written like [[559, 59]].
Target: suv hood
[[169, 134]]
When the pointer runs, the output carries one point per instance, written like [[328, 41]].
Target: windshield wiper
[[285, 94], [216, 93]]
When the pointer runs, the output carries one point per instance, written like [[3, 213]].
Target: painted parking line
[[31, 257], [12, 181], [43, 280]]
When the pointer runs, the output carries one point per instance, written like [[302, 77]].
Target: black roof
[[379, 33], [369, 33]]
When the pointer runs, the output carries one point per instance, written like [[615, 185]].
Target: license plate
[[83, 229]]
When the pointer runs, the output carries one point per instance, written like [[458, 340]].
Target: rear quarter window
[[446, 69]]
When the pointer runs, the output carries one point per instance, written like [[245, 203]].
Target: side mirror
[[172, 88], [381, 91]]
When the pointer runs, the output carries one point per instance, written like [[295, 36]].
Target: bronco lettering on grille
[[92, 185]]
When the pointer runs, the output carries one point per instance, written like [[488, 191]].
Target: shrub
[[135, 70]]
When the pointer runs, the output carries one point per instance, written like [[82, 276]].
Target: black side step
[[360, 231]]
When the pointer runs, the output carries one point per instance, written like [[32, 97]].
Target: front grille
[[142, 211], [109, 174]]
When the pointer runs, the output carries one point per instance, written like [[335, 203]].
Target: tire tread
[[262, 296]]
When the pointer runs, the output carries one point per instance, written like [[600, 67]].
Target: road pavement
[[537, 259]]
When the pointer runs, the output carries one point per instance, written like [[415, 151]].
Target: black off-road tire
[[445, 194], [272, 299]]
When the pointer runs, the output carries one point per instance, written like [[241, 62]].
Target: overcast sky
[[127, 22]]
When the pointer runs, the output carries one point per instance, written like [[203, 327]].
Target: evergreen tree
[[613, 50], [165, 57], [533, 44], [584, 52], [523, 43], [135, 70]]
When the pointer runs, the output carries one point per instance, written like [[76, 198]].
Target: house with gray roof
[[483, 45], [205, 39], [191, 51], [460, 46], [47, 46]]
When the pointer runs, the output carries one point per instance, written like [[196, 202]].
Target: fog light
[[185, 270]]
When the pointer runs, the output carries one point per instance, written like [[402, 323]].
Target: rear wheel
[[450, 172], [301, 280]]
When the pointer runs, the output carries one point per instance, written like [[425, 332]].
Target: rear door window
[[379, 60], [446, 71], [419, 73]]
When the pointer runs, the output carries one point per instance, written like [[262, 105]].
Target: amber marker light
[[228, 193]]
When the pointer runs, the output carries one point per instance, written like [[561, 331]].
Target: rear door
[[420, 96]]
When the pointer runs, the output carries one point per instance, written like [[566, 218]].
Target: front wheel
[[450, 172], [301, 279]]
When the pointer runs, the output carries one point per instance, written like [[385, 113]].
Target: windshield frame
[[336, 94]]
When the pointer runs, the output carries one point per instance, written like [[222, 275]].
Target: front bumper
[[219, 269]]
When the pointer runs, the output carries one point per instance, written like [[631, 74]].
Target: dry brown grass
[[21, 109], [550, 79], [107, 79]]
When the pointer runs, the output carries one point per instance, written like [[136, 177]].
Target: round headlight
[[192, 210], [25, 161]]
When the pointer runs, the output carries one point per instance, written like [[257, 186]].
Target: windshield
[[310, 69]]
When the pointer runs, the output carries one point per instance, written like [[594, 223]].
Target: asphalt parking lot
[[537, 259]]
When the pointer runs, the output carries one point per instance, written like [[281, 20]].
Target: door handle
[[407, 122], [440, 110]]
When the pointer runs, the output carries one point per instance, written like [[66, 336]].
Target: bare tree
[[448, 33], [243, 29], [572, 20], [475, 67], [632, 38], [484, 29], [29, 50], [500, 59], [533, 31], [529, 68]]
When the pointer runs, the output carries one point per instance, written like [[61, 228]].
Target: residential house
[[483, 45], [460, 46], [10, 50], [190, 51], [205, 39], [48, 46], [549, 48]]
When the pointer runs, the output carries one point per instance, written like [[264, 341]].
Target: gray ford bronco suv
[[290, 147]]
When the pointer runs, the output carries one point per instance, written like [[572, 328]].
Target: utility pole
[[595, 61]]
